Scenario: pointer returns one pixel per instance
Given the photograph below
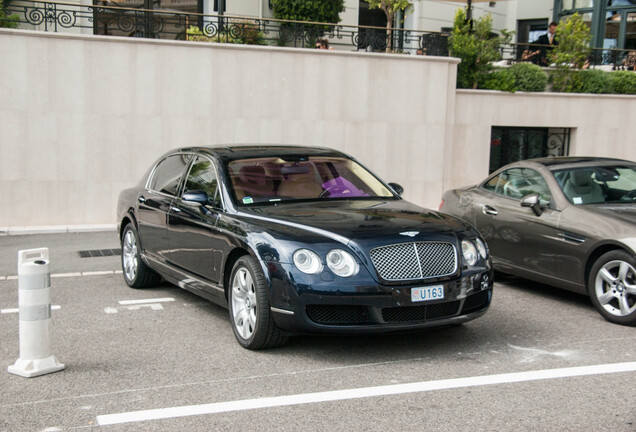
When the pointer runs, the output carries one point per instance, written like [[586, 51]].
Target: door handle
[[487, 210], [141, 199]]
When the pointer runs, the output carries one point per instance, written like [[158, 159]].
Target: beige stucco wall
[[82, 117], [602, 125]]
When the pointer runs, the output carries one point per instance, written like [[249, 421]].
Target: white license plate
[[429, 293]]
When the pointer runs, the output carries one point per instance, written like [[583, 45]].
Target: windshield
[[598, 184], [270, 180]]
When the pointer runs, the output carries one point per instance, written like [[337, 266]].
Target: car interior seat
[[252, 181], [580, 188], [300, 183]]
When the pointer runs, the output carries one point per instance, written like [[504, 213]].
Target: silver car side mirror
[[532, 201]]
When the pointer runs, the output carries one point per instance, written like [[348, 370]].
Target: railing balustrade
[[605, 58], [102, 18]]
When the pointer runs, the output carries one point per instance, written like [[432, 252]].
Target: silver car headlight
[[307, 261], [481, 247], [470, 252], [342, 263]]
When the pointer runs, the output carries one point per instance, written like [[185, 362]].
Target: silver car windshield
[[270, 180], [598, 184]]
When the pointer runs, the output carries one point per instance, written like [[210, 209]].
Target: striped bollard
[[34, 301]]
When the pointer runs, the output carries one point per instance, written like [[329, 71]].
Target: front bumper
[[328, 304]]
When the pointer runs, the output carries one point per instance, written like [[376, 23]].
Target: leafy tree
[[574, 39], [572, 52], [477, 48], [8, 21], [323, 11], [390, 7]]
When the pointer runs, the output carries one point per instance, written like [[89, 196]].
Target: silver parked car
[[569, 222]]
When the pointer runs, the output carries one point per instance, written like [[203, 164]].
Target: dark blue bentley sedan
[[297, 240]]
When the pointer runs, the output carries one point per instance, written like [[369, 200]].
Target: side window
[[491, 185], [168, 174], [202, 177], [519, 182]]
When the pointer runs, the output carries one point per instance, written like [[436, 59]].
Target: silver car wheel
[[615, 288], [129, 255], [244, 303]]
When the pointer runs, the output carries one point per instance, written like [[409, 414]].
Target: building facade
[[612, 22]]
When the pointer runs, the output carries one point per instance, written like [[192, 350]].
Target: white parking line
[[98, 273], [65, 275], [337, 395], [146, 301], [72, 274], [16, 310]]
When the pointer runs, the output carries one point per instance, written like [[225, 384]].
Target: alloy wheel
[[129, 255], [615, 288], [244, 303]]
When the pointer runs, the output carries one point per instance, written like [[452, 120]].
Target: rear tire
[[136, 273], [248, 301], [612, 287]]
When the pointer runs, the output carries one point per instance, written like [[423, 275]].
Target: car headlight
[[307, 261], [481, 247], [342, 263], [470, 252]]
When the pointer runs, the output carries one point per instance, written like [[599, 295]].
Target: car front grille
[[337, 314], [407, 314], [417, 260]]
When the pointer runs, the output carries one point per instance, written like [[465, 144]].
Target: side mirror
[[398, 189], [197, 196], [532, 201]]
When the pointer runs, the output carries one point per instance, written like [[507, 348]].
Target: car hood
[[366, 223], [623, 213]]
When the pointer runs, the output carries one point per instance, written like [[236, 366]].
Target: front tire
[[251, 318], [612, 287], [136, 273]]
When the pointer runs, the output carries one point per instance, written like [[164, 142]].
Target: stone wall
[[82, 117]]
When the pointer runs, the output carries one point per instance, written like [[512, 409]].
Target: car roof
[[573, 161], [247, 151]]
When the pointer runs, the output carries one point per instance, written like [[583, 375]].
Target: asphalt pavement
[[64, 251], [162, 359]]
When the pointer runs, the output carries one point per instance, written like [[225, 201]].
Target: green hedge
[[591, 81], [528, 77], [499, 79], [525, 77], [623, 82], [597, 82]]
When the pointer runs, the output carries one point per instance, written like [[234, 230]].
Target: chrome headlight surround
[[342, 263], [307, 261], [470, 252]]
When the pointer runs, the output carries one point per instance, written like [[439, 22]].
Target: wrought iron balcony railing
[[103, 18], [605, 58], [130, 18]]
